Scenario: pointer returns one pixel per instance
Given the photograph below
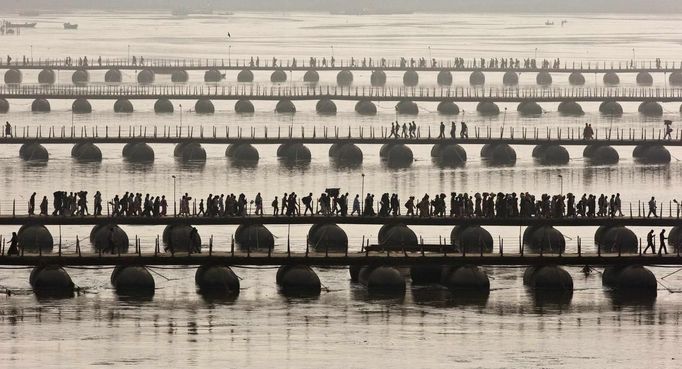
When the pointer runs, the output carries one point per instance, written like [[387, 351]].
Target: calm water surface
[[344, 327]]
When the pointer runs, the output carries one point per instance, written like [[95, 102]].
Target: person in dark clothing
[[43, 206], [442, 130], [650, 242], [13, 245], [661, 247], [308, 202], [32, 204], [464, 133]]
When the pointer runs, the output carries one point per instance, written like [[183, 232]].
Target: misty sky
[[632, 6]]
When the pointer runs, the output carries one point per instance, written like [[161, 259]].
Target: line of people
[[333, 202]]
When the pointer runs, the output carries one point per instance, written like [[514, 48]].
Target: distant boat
[[21, 25], [548, 23], [70, 26]]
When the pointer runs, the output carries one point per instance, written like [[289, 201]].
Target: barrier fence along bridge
[[433, 94], [331, 135], [302, 64]]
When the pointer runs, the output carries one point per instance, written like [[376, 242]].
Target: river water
[[344, 327]]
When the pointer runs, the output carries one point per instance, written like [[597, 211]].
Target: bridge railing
[[359, 92], [424, 133], [325, 62]]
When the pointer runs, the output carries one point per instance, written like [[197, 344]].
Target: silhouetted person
[[43, 206], [442, 130], [453, 130], [8, 129], [650, 242], [661, 247], [652, 207], [275, 206], [13, 245], [32, 204], [464, 133]]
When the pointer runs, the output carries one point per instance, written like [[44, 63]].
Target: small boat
[[548, 23], [21, 25], [70, 26]]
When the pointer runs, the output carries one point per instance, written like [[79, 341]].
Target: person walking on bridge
[[32, 204], [464, 133], [8, 129], [453, 130], [650, 242], [652, 207], [13, 245], [442, 130], [661, 247]]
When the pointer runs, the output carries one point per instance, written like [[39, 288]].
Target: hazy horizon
[[454, 6]]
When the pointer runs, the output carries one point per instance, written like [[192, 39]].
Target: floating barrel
[[410, 78], [611, 78], [163, 105], [34, 152], [548, 277], [278, 76], [675, 78], [311, 76], [213, 75], [146, 76], [425, 274], [113, 76], [444, 78], [123, 106], [34, 238], [204, 106], [630, 279], [344, 78], [510, 78], [216, 279], [529, 108], [399, 156], [616, 239], [245, 75], [545, 239], [382, 280], [181, 238], [81, 106], [378, 78], [51, 281], [365, 107], [407, 107], [132, 280], [254, 237], [13, 76], [611, 107], [448, 108], [327, 237], [242, 152], [138, 152], [644, 79], [499, 154], [601, 155], [487, 108], [471, 239], [465, 278], [651, 154], [675, 238], [4, 105], [576, 79], [325, 107], [396, 236], [570, 108], [477, 78], [47, 77], [285, 106], [179, 76], [296, 152], [243, 107], [109, 238], [86, 151], [451, 155], [80, 77], [346, 154], [650, 109], [40, 105], [543, 78], [298, 280], [554, 155], [190, 152]]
